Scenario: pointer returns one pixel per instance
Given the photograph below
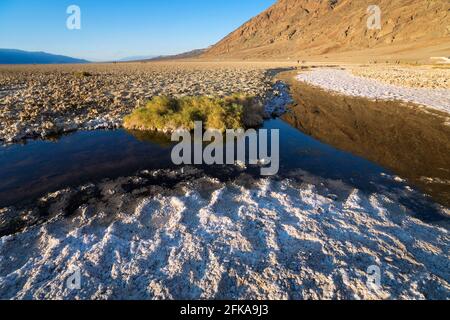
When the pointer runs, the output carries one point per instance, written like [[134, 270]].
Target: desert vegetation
[[166, 114], [81, 74]]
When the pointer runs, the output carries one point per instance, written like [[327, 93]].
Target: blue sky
[[111, 29]]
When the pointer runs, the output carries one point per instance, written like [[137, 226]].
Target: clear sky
[[112, 29]]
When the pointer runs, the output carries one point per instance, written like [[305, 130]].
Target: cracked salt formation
[[277, 100], [246, 239]]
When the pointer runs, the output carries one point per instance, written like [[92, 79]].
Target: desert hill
[[300, 28]]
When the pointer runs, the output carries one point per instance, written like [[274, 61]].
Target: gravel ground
[[39, 101], [417, 77]]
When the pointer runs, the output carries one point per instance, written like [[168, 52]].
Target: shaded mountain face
[[293, 28], [11, 56]]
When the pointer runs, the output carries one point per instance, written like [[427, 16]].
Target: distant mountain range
[[301, 28], [185, 55], [12, 56], [136, 58]]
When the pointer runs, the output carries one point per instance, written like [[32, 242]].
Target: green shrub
[[81, 74], [168, 114]]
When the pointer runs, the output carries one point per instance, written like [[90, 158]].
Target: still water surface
[[38, 167]]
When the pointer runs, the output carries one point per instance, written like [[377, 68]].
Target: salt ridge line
[[342, 81]]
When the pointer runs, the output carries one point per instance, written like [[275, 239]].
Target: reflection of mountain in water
[[413, 143]]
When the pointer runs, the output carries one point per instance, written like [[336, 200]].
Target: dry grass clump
[[82, 74], [168, 114]]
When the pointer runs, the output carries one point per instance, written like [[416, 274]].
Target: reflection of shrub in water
[[154, 137], [168, 114]]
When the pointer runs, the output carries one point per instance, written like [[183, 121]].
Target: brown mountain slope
[[300, 28]]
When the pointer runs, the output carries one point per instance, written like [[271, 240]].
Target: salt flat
[[245, 239], [42, 100], [343, 82], [202, 238]]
